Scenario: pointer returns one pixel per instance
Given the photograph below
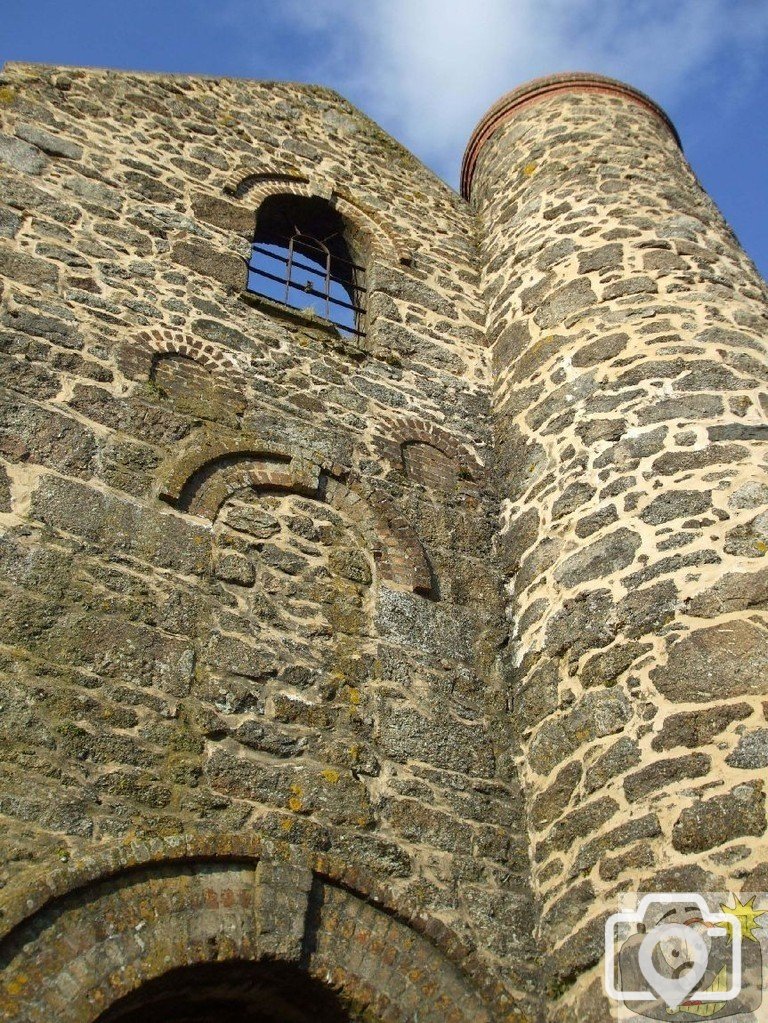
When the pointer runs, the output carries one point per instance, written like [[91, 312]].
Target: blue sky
[[426, 70]]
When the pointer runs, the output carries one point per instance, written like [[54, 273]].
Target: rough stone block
[[718, 662], [676, 504], [698, 727], [281, 903], [26, 269], [29, 433], [5, 490], [53, 145], [616, 760], [408, 735], [122, 527], [9, 222], [751, 752], [430, 628], [711, 822], [664, 774], [571, 298], [21, 156], [604, 669], [205, 259], [602, 558]]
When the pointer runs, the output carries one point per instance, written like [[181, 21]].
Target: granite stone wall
[[247, 590], [631, 405], [378, 663]]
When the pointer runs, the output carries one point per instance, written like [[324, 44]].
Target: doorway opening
[[232, 992]]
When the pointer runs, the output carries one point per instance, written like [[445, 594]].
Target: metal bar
[[328, 285], [335, 258], [305, 266], [288, 269], [305, 241], [298, 287], [342, 326]]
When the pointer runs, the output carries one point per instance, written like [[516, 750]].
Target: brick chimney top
[[543, 88]]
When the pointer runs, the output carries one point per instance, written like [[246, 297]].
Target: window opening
[[301, 268]]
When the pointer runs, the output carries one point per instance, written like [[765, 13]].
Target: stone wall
[[629, 347], [245, 560], [275, 684]]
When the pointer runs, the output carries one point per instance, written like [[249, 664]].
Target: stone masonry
[[352, 677]]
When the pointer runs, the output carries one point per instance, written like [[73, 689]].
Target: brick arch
[[409, 430], [137, 357], [426, 464], [245, 181], [96, 931], [373, 225], [381, 240], [202, 479]]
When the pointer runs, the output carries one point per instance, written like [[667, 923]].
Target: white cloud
[[428, 69]]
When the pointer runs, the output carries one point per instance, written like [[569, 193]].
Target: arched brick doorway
[[214, 933]]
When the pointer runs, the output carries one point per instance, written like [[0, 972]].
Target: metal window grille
[[340, 292]]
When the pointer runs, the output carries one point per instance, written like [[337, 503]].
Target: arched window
[[303, 256]]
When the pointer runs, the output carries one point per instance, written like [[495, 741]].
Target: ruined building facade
[[350, 673]]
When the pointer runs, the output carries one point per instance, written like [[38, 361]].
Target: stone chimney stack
[[628, 332]]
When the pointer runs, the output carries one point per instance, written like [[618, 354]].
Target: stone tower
[[350, 671]]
